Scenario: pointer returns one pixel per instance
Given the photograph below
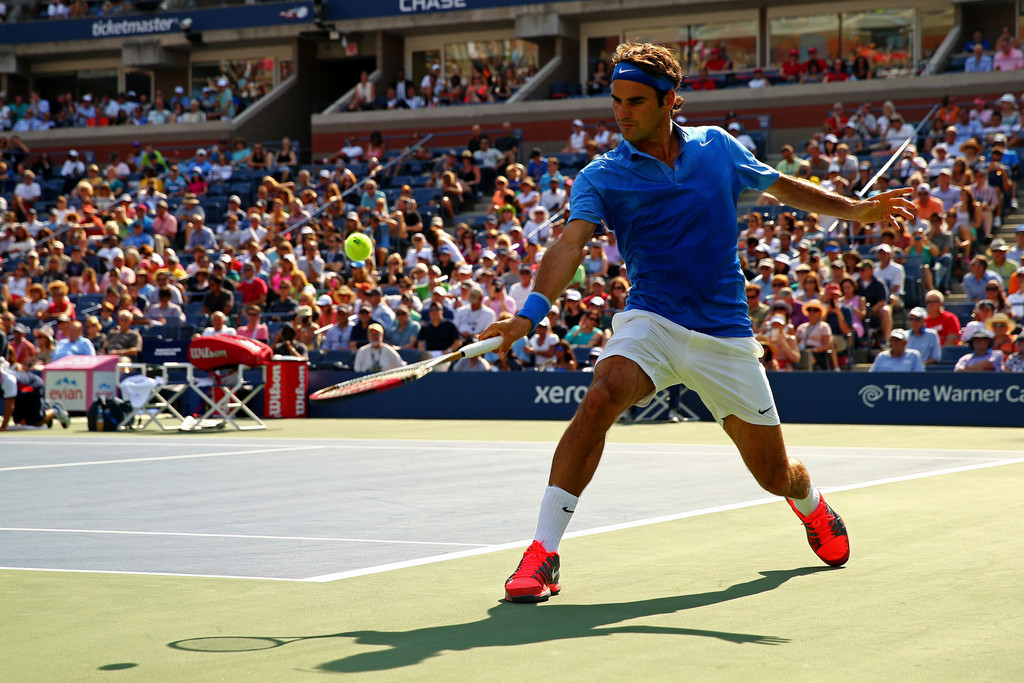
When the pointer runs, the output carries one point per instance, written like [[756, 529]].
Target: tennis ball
[[358, 246]]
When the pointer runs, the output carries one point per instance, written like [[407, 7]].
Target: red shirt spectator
[[716, 62], [703, 82], [792, 68], [927, 205], [946, 324], [812, 56]]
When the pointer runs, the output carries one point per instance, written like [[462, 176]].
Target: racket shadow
[[510, 625]]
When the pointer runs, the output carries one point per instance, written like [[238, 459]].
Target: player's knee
[[774, 479]]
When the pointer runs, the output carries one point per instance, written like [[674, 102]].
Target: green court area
[[931, 593]]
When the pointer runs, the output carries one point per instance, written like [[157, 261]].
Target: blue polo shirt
[[676, 227]]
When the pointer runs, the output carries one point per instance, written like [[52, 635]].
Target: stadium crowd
[[220, 99], [156, 247]]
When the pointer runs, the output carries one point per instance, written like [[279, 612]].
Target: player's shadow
[[509, 625]]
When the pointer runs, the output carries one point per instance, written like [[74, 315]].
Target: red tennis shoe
[[536, 577], [826, 534]]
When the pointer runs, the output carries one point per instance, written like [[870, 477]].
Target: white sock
[[556, 510], [809, 504]]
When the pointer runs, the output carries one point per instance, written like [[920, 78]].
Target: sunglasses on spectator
[[991, 289]]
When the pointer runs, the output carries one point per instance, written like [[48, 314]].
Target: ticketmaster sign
[[242, 16]]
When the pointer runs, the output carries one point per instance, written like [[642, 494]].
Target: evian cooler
[[77, 381], [286, 393]]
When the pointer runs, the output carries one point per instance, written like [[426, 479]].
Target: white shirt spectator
[[473, 322], [519, 293], [549, 342], [209, 331], [553, 200], [376, 359], [72, 168], [893, 276], [30, 192]]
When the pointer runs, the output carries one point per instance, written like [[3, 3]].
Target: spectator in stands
[[860, 70], [365, 94], [812, 73], [376, 356], [123, 340], [898, 358], [287, 345], [978, 62], [1007, 57], [923, 339], [218, 325], [473, 319], [577, 142], [983, 357], [945, 323], [789, 164], [758, 80], [20, 351], [791, 69], [876, 297], [977, 278], [703, 81], [166, 312], [218, 298], [437, 335], [977, 39], [404, 332], [74, 344]]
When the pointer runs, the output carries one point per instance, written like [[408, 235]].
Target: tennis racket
[[389, 379]]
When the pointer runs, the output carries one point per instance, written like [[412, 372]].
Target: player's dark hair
[[654, 60]]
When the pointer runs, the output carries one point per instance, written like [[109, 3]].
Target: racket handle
[[481, 347]]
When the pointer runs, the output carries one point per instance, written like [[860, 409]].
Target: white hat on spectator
[[766, 263], [597, 302], [918, 312], [544, 323], [437, 220], [125, 198], [831, 138], [1009, 98], [352, 216], [306, 230], [201, 150], [884, 247], [87, 97], [898, 333], [324, 300], [573, 295], [577, 122], [435, 67], [735, 126], [777, 319], [73, 153], [439, 290], [324, 173], [465, 269], [941, 146], [221, 82], [178, 90], [235, 198], [487, 253], [225, 258], [782, 258], [680, 119], [924, 187]]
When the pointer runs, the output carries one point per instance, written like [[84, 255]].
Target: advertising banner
[[932, 398], [133, 25], [346, 9]]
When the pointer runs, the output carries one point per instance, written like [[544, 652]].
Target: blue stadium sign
[[340, 10], [124, 26]]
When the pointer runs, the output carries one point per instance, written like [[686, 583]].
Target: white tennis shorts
[[724, 371]]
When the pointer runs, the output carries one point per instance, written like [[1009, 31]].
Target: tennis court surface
[[298, 553]]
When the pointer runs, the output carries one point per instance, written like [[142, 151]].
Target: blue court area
[[327, 509]]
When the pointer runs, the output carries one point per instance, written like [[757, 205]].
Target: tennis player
[[669, 195]]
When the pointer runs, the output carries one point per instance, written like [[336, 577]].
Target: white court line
[[644, 522], [216, 454], [109, 571], [246, 536]]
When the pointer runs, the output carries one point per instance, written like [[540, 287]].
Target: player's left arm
[[806, 195]]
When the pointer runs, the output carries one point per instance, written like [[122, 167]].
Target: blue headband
[[627, 71]]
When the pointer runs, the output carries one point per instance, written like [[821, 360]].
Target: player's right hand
[[509, 331]]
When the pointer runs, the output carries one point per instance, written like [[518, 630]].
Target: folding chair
[[224, 359], [153, 398], [226, 401]]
